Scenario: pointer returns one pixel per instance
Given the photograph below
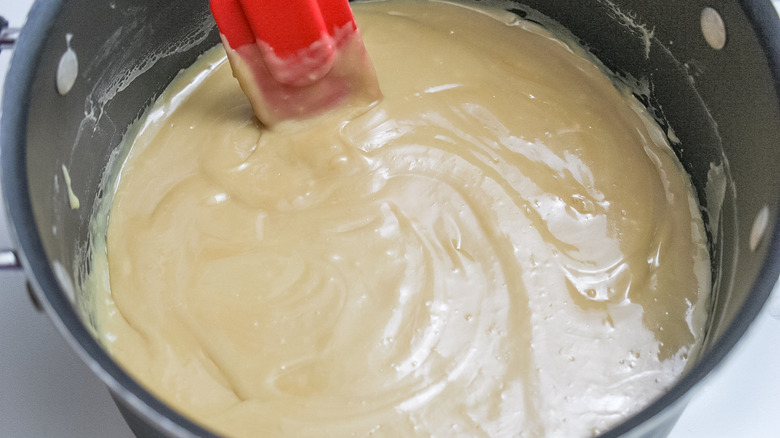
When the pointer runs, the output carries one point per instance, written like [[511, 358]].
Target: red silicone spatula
[[295, 58]]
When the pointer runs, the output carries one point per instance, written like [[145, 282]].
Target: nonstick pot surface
[[720, 103]]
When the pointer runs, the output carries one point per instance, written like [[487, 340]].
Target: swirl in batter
[[505, 245]]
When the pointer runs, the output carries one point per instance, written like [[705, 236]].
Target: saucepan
[[83, 70]]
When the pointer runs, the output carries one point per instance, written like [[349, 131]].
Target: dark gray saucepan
[[719, 102]]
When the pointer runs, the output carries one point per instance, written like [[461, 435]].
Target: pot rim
[[17, 94]]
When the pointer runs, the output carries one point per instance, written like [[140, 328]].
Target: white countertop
[[46, 391]]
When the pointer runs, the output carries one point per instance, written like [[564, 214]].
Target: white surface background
[[46, 391]]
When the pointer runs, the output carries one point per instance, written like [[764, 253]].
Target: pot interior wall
[[127, 55], [718, 103]]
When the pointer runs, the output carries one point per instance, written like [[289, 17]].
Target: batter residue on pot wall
[[504, 246]]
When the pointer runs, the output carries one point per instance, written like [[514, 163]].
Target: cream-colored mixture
[[505, 245]]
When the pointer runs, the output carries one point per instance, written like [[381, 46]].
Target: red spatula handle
[[232, 22], [294, 35], [287, 26], [337, 14], [295, 58]]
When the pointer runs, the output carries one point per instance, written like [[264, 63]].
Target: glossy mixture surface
[[505, 245]]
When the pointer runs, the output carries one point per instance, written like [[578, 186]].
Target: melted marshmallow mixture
[[505, 245]]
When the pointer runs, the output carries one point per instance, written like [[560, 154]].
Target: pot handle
[[8, 35], [9, 260]]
